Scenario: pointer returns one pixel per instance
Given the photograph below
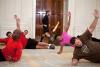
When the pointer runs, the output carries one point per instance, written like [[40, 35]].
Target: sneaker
[[52, 46]]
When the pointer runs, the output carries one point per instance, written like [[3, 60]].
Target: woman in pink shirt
[[64, 39]]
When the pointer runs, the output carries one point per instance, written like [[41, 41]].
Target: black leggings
[[1, 56]]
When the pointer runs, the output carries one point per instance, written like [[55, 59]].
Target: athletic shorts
[[45, 29], [1, 56], [31, 44]]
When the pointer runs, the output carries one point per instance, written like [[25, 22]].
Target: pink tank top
[[65, 39]]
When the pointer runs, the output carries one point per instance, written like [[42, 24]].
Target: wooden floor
[[47, 58]]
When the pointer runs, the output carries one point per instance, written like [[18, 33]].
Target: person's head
[[76, 41], [47, 12], [25, 32], [16, 34], [9, 34], [15, 16]]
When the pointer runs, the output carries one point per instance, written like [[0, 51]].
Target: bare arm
[[17, 22], [55, 28], [94, 23], [61, 49], [66, 27], [74, 62]]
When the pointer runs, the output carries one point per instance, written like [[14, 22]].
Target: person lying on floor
[[29, 43], [53, 33], [13, 50], [85, 47]]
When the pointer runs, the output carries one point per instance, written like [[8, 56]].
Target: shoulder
[[87, 33], [22, 33]]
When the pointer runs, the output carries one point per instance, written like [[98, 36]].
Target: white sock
[[49, 46]]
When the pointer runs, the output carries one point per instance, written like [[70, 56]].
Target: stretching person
[[9, 34], [31, 43], [13, 50], [64, 39], [25, 32], [53, 33], [85, 48]]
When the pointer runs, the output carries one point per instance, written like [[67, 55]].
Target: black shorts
[[31, 44], [1, 56], [45, 29]]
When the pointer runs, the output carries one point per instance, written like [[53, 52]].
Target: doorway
[[55, 8]]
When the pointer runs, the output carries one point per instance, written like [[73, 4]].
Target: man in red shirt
[[31, 43], [13, 49]]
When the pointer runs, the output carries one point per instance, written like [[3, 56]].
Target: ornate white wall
[[24, 8], [82, 16]]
